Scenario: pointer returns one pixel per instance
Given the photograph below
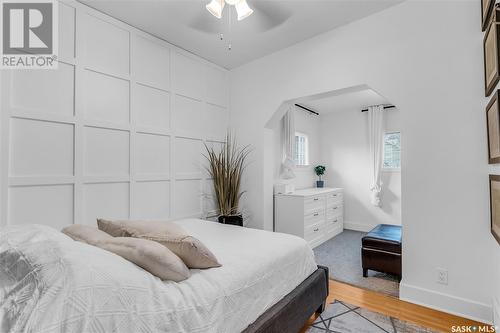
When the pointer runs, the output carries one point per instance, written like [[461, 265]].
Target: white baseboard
[[496, 311], [447, 303], [358, 226]]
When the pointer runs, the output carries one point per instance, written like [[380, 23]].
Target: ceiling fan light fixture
[[243, 9], [215, 8]]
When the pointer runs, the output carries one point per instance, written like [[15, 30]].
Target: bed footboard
[[292, 312]]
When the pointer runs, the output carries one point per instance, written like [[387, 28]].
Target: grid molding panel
[[117, 131]]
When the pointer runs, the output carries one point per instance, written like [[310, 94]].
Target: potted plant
[[225, 167], [320, 171]]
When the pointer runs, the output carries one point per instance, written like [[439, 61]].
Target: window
[[301, 149], [392, 151]]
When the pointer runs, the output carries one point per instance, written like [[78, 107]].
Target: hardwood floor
[[394, 307]]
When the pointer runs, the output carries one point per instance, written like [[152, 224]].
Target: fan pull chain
[[229, 47], [221, 34]]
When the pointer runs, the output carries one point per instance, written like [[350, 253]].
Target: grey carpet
[[340, 317], [342, 255]]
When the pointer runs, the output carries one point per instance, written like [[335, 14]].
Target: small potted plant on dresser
[[225, 167], [320, 171]]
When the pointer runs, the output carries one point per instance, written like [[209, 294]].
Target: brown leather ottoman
[[381, 250]]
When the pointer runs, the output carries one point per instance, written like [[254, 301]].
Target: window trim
[[306, 152], [391, 170]]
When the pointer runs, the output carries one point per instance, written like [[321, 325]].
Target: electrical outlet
[[442, 276]]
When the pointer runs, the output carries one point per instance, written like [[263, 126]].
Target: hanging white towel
[[376, 132], [288, 141]]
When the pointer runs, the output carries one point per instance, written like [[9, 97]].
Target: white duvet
[[50, 283]]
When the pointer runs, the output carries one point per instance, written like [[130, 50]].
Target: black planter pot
[[231, 219], [320, 183]]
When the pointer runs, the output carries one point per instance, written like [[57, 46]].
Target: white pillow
[[191, 250], [152, 256]]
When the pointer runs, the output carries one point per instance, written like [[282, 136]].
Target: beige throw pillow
[[192, 251], [153, 257]]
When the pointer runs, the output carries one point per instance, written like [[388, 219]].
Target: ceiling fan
[[268, 15], [215, 8]]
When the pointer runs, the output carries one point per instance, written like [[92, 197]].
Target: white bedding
[[50, 283]]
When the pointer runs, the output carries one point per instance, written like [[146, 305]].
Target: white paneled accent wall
[[117, 131]]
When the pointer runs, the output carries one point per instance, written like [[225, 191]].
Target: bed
[[268, 282]]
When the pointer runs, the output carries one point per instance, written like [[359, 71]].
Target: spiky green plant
[[226, 166]]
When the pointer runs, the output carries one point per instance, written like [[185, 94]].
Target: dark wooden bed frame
[[291, 313]]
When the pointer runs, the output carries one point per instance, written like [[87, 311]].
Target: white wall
[[345, 150], [117, 131], [425, 57], [308, 124]]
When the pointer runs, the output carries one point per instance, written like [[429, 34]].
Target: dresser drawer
[[314, 203], [333, 230], [314, 232], [335, 209], [334, 222], [333, 198], [314, 217]]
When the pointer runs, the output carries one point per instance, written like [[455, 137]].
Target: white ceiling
[[357, 100], [275, 24]]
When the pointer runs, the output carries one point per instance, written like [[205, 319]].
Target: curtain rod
[[385, 107], [307, 109]]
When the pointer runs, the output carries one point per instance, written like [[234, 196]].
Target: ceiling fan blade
[[206, 22], [269, 15]]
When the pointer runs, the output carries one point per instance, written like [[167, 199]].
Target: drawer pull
[[316, 199], [335, 220], [316, 229], [335, 207], [334, 195], [316, 214]]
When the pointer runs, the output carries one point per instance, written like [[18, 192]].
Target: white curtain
[[288, 142], [375, 134]]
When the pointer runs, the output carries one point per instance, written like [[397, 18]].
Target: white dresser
[[315, 214]]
